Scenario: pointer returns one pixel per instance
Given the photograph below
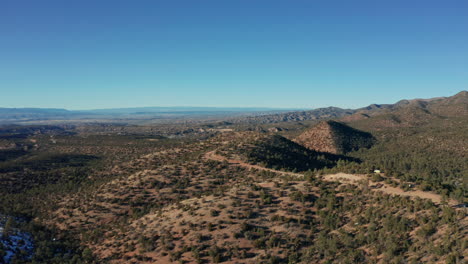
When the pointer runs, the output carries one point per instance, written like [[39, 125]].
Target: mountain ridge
[[435, 104], [438, 106]]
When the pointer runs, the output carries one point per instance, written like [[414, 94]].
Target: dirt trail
[[340, 177], [213, 156], [383, 187]]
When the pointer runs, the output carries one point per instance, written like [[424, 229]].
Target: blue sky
[[292, 54]]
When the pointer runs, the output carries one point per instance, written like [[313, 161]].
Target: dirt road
[[383, 187], [213, 156], [356, 179]]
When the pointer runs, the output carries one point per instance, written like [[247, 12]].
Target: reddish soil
[[342, 178]]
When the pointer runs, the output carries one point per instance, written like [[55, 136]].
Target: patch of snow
[[15, 242]]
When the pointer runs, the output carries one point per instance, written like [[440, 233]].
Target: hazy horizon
[[266, 108]]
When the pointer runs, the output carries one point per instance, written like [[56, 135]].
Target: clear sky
[[303, 54]]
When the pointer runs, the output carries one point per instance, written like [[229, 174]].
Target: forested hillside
[[334, 137], [230, 193]]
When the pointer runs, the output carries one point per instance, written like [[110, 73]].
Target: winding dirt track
[[383, 187], [211, 155], [339, 177]]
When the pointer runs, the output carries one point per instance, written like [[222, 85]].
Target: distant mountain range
[[400, 112], [396, 114], [183, 109], [411, 112]]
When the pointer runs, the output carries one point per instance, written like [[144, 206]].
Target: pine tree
[[8, 227]]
